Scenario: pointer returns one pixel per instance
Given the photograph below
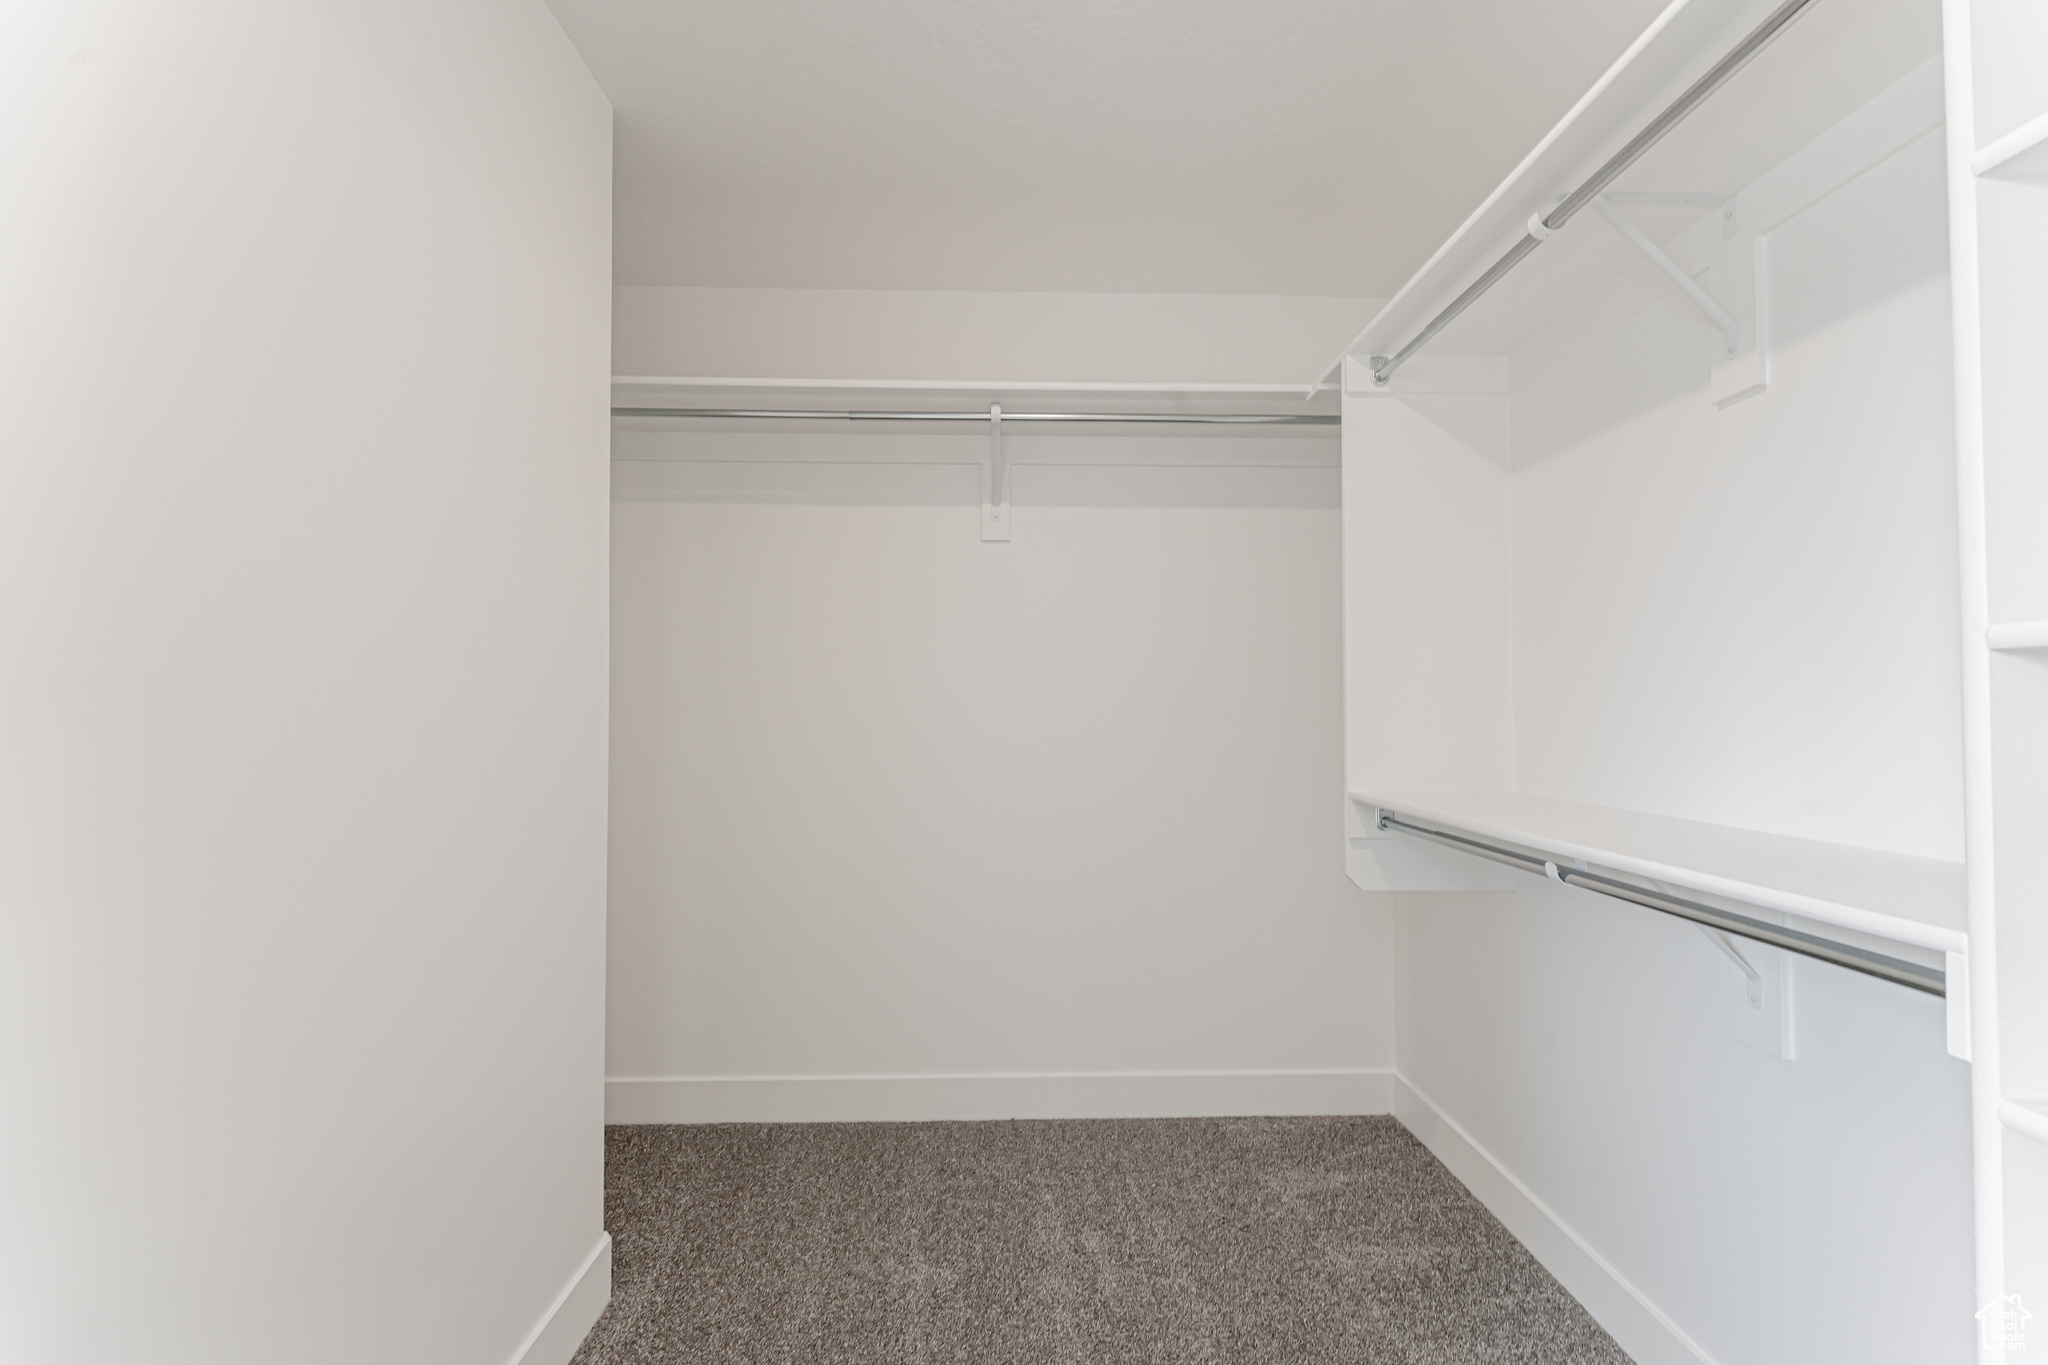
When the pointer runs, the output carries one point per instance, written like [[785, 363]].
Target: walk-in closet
[[944, 681]]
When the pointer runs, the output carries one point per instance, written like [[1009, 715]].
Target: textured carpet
[[1163, 1241]]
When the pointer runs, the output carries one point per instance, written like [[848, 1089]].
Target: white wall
[[977, 337], [302, 682], [1748, 616], [1428, 565], [1745, 616], [1775, 1212], [1044, 827]]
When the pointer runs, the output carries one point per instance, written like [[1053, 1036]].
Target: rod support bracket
[[995, 482], [1753, 980], [1721, 318]]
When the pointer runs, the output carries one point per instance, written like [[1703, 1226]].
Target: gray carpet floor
[[1104, 1242]]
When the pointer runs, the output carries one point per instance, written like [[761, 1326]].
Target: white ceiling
[[1270, 147]]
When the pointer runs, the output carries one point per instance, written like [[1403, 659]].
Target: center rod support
[[995, 458]]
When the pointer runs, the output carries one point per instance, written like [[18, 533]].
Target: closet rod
[[1242, 419], [1383, 366], [1932, 980]]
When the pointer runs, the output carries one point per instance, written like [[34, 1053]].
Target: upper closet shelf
[[1913, 900], [651, 391], [1841, 87], [671, 383]]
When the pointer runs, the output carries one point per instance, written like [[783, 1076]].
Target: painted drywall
[[1780, 652], [302, 683], [1747, 616], [1427, 564], [879, 334], [1773, 1211], [1038, 827]]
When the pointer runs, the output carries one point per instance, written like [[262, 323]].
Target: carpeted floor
[[1081, 1242]]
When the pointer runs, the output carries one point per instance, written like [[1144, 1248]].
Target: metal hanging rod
[[1240, 419], [1541, 227], [1897, 970]]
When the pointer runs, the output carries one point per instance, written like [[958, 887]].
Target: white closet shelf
[[2021, 154], [1764, 154], [1906, 899], [950, 385], [2018, 635], [2026, 1116]]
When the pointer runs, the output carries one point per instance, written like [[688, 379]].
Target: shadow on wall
[[869, 470]]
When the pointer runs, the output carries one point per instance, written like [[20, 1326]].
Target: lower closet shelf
[[1900, 897]]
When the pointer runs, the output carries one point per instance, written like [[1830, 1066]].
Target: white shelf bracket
[[995, 483], [1745, 271], [1730, 329], [1753, 990], [1723, 203], [1763, 1014]]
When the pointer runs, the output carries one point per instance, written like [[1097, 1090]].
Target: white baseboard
[[1081, 1095], [1636, 1324], [570, 1317]]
